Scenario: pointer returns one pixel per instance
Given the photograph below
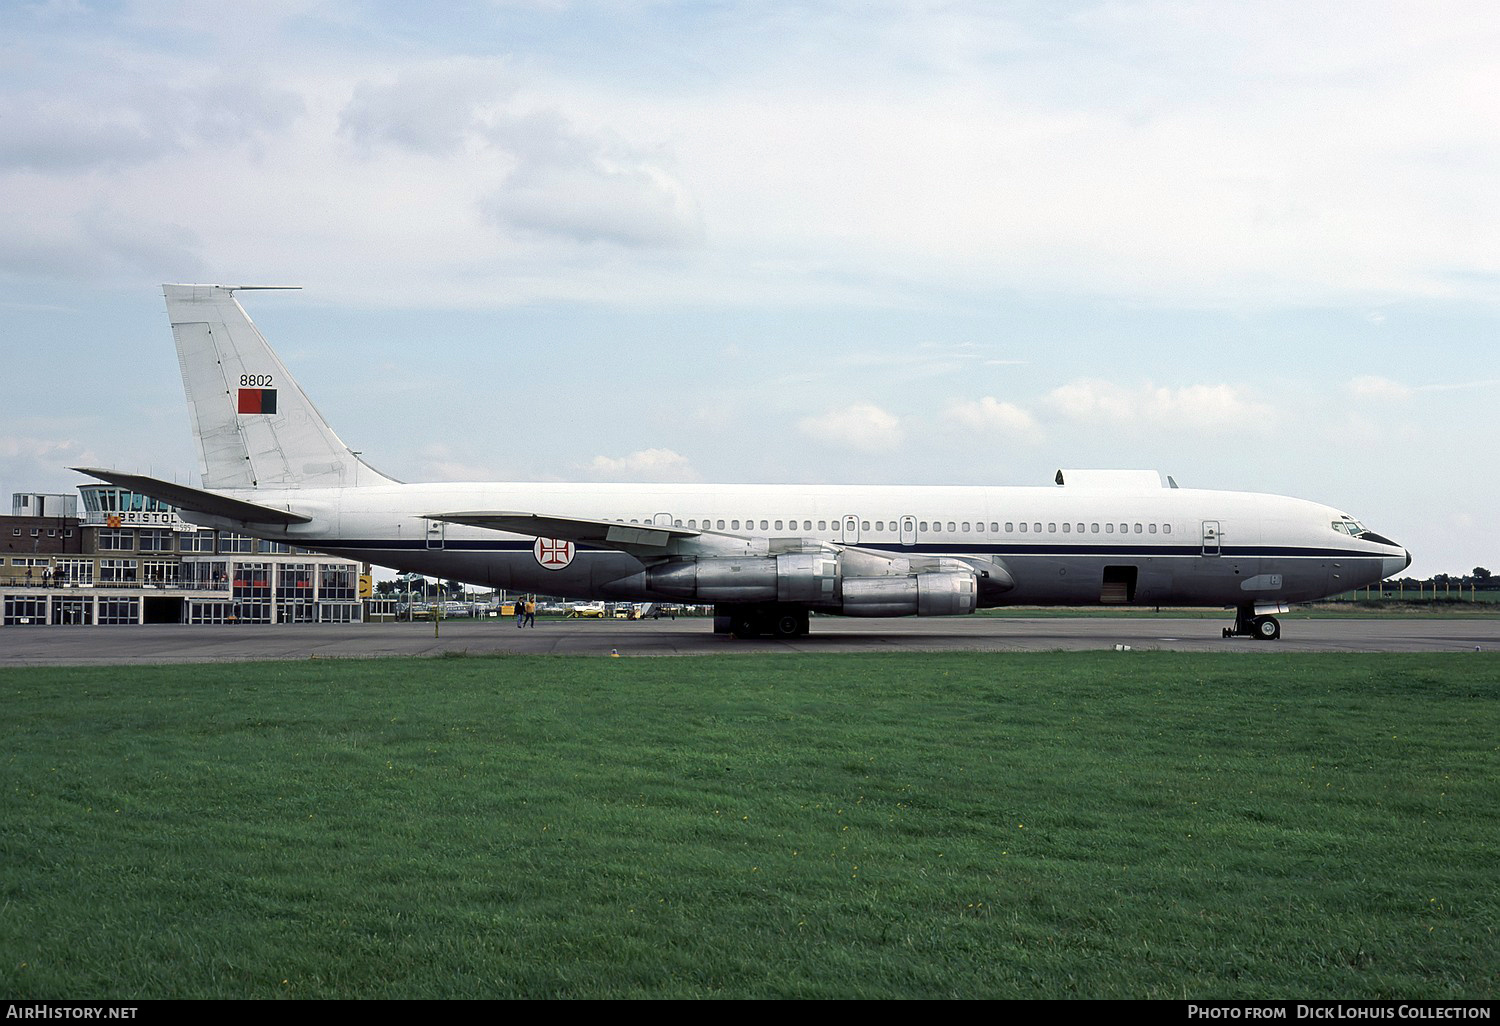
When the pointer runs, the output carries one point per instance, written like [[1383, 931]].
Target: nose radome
[[1392, 565]]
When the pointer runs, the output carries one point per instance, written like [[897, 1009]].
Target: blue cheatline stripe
[[1128, 552]]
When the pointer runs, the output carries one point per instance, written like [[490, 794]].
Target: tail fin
[[254, 426]]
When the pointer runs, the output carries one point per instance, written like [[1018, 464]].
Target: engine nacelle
[[819, 580], [930, 594], [807, 578]]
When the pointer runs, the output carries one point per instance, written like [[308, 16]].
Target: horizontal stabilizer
[[604, 533], [196, 500]]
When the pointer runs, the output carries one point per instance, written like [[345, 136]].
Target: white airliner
[[764, 555]]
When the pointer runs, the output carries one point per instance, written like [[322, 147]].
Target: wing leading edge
[[610, 534]]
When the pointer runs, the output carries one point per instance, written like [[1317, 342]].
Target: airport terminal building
[[130, 559]]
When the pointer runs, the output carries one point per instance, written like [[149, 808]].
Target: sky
[[1256, 247]]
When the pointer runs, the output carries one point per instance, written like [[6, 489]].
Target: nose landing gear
[[1247, 624]]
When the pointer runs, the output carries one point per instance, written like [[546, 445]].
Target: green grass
[[1051, 825]]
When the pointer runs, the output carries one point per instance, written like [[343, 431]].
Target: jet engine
[[849, 581]]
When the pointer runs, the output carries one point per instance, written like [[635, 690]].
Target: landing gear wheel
[[1267, 628], [1248, 625], [744, 625], [789, 624]]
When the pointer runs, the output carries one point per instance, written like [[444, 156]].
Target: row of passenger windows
[[937, 526]]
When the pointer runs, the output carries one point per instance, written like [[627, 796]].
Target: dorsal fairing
[[1126, 481]]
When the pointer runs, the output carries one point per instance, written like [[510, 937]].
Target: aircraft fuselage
[[1062, 547]]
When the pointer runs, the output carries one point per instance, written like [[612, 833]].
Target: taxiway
[[60, 646]]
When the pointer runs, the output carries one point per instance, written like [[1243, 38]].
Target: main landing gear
[[759, 620], [1247, 624]]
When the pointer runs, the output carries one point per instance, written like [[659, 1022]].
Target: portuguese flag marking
[[257, 400]]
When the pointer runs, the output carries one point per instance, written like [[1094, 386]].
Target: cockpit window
[[1350, 526]]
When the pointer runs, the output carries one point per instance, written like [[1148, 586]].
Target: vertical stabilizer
[[254, 426]]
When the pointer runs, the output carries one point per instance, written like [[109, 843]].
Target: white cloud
[[438, 462], [991, 416], [1374, 387], [121, 118], [863, 426], [1196, 407], [1137, 149], [546, 176], [1141, 149], [644, 465], [584, 190], [436, 108], [33, 448], [32, 463], [1369, 386]]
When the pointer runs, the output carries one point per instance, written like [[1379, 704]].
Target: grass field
[[1051, 825]]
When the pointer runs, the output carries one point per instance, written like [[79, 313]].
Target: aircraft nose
[[1393, 565]]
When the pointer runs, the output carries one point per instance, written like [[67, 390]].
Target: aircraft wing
[[610, 534], [197, 500]]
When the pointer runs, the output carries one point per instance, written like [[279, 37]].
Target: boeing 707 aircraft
[[765, 556]]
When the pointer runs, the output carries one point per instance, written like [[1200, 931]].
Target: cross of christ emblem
[[553, 553]]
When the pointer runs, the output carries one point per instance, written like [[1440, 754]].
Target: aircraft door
[[1211, 538], [851, 531], [908, 530], [435, 533], [662, 520]]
